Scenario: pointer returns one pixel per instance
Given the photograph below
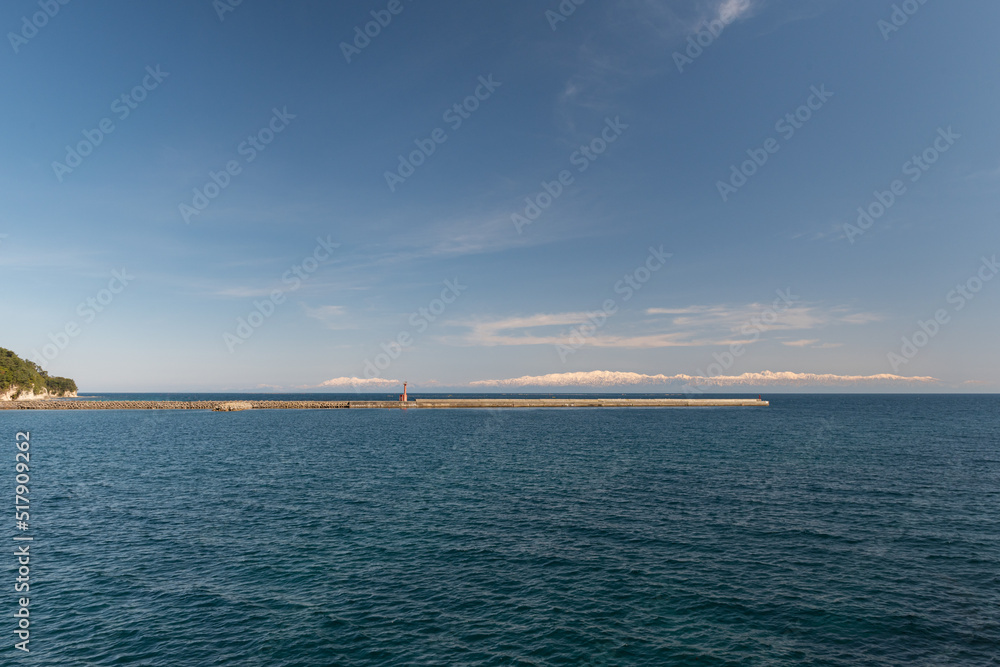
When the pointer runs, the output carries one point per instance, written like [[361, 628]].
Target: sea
[[822, 530]]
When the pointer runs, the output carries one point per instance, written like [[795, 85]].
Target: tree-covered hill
[[27, 376]]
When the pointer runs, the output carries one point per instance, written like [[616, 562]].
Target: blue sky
[[251, 195]]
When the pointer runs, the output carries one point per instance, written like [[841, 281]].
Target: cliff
[[22, 380]]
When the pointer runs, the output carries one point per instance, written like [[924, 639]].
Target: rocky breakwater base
[[438, 403]]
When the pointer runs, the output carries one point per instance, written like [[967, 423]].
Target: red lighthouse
[[402, 397]]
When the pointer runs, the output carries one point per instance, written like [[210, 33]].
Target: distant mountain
[[21, 379]]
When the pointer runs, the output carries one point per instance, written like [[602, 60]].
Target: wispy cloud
[[813, 343], [244, 292], [985, 175], [825, 232], [530, 330], [690, 326], [731, 10], [332, 317], [800, 343], [734, 317], [674, 19], [630, 49], [499, 332], [80, 261], [474, 234], [354, 383], [766, 378]]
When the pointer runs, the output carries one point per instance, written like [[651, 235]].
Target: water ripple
[[823, 530]]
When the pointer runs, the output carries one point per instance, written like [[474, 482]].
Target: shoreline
[[433, 403]]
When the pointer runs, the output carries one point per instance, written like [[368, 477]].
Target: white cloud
[[766, 378]]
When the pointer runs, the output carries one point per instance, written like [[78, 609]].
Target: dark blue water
[[824, 530]]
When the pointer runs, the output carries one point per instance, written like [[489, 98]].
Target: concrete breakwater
[[423, 403]]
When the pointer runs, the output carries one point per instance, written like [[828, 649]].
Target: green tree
[[22, 375]]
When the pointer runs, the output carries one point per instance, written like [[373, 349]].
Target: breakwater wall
[[438, 403]]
